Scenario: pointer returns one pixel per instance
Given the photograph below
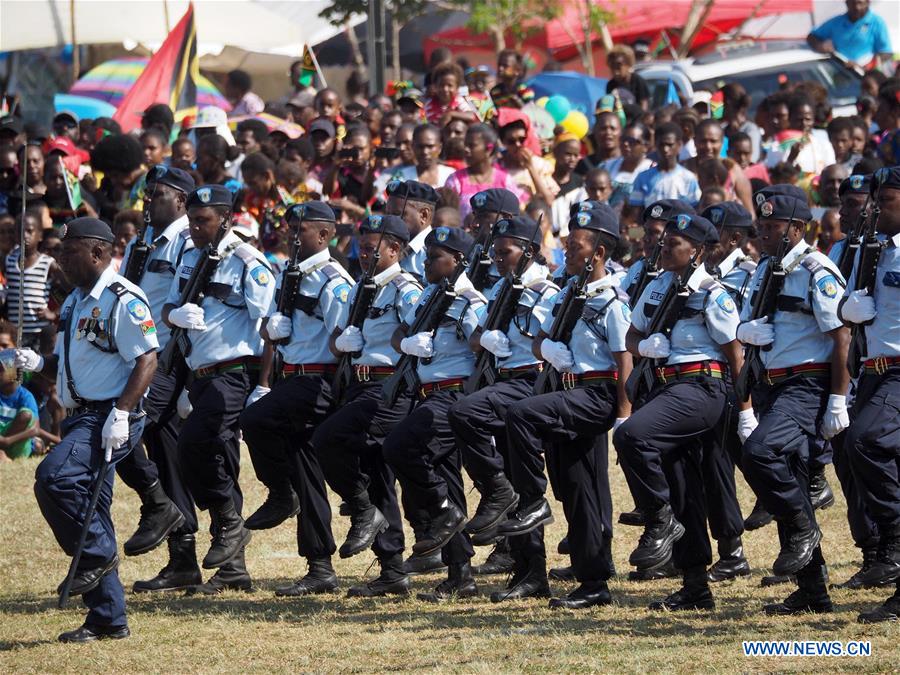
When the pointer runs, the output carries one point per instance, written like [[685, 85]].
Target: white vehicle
[[761, 67]]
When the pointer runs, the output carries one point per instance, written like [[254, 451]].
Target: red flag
[[170, 77]]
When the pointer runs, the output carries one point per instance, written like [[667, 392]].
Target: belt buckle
[[568, 381], [661, 374], [881, 365], [362, 373], [769, 379]]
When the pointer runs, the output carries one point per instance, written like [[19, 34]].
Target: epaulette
[[710, 284], [247, 254], [471, 295], [333, 270], [185, 233], [810, 264], [402, 280], [620, 294], [748, 265], [541, 286]]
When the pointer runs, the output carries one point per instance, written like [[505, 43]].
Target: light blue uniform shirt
[[631, 275], [414, 261], [124, 331], [709, 319], [531, 310], [601, 329], [397, 293], [452, 357], [165, 257], [837, 250], [883, 334], [655, 184], [238, 296], [324, 290], [735, 273], [858, 40], [807, 308]]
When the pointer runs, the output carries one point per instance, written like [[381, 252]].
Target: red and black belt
[[880, 364], [776, 375], [372, 373], [455, 384], [308, 369], [713, 369], [247, 363], [573, 380], [519, 371]]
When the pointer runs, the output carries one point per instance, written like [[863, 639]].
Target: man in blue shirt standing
[[859, 35]]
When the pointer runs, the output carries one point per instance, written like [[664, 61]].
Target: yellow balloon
[[542, 101], [576, 123]]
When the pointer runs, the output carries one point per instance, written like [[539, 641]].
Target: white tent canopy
[[259, 25]]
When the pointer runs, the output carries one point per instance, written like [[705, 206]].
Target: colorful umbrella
[[272, 123], [83, 106], [110, 82]]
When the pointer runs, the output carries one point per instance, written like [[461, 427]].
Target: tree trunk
[[699, 11], [587, 56], [395, 48], [499, 39]]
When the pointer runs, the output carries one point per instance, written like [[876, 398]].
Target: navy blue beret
[[728, 214], [87, 228], [173, 177], [586, 205], [696, 228], [210, 195], [665, 209], [412, 190], [886, 177], [519, 227], [495, 200], [392, 225], [452, 238], [784, 189], [784, 207], [856, 184], [600, 219], [314, 210]]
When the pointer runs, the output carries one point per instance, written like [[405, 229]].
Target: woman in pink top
[[481, 173]]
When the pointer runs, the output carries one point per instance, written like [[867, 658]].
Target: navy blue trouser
[[570, 421], [660, 448], [422, 452], [862, 528], [776, 456], [278, 429], [873, 446], [348, 446], [721, 454], [62, 486]]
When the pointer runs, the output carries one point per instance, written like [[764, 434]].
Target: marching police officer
[[422, 449], [414, 202], [348, 443], [151, 263], [729, 265], [660, 445], [481, 416], [224, 355], [593, 366], [106, 328], [278, 426], [853, 192], [488, 208], [803, 392], [873, 439]]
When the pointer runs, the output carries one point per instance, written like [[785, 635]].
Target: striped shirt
[[37, 291]]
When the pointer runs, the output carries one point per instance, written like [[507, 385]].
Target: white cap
[[210, 116]]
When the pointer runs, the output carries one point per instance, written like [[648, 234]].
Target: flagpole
[[166, 14], [76, 62], [316, 64]]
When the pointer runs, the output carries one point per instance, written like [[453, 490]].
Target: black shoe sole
[[501, 596], [270, 524], [181, 587], [501, 517], [776, 610], [437, 546], [364, 546], [131, 552], [677, 534], [81, 590], [401, 591], [244, 588], [690, 607], [785, 570], [244, 541], [286, 593], [531, 528]]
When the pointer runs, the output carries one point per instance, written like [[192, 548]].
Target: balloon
[[542, 101], [559, 107], [541, 121], [576, 123]]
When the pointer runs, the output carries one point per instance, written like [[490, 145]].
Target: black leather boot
[[654, 548], [811, 595], [320, 578], [731, 563], [820, 493], [889, 611], [232, 576], [634, 518], [529, 517], [180, 572], [529, 580], [281, 503], [444, 524], [758, 517], [159, 517], [365, 525], [588, 594], [228, 535], [803, 536], [694, 594], [855, 582], [497, 499], [393, 580], [459, 584], [886, 566], [498, 562]]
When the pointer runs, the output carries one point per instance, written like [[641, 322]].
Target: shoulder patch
[[148, 327], [260, 275], [411, 296], [725, 301], [138, 310], [341, 292], [828, 285]]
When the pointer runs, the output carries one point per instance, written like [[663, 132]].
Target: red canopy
[[633, 19]]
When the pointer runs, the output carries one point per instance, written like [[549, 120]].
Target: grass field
[[258, 632]]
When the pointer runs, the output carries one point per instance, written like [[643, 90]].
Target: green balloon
[[558, 106]]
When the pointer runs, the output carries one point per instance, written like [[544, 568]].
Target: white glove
[[350, 341], [183, 406], [757, 332], [747, 422], [557, 355], [496, 342], [858, 307], [188, 316], [278, 326], [836, 417], [420, 345], [258, 392], [115, 429], [29, 360], [655, 347], [618, 423]]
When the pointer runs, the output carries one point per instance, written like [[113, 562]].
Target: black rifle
[[649, 272], [567, 315], [427, 320], [854, 241], [869, 254], [479, 258], [366, 291], [178, 347], [291, 277], [665, 316], [140, 250], [765, 302], [503, 309]]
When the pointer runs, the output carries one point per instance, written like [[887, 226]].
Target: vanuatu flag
[[308, 69], [170, 77]]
